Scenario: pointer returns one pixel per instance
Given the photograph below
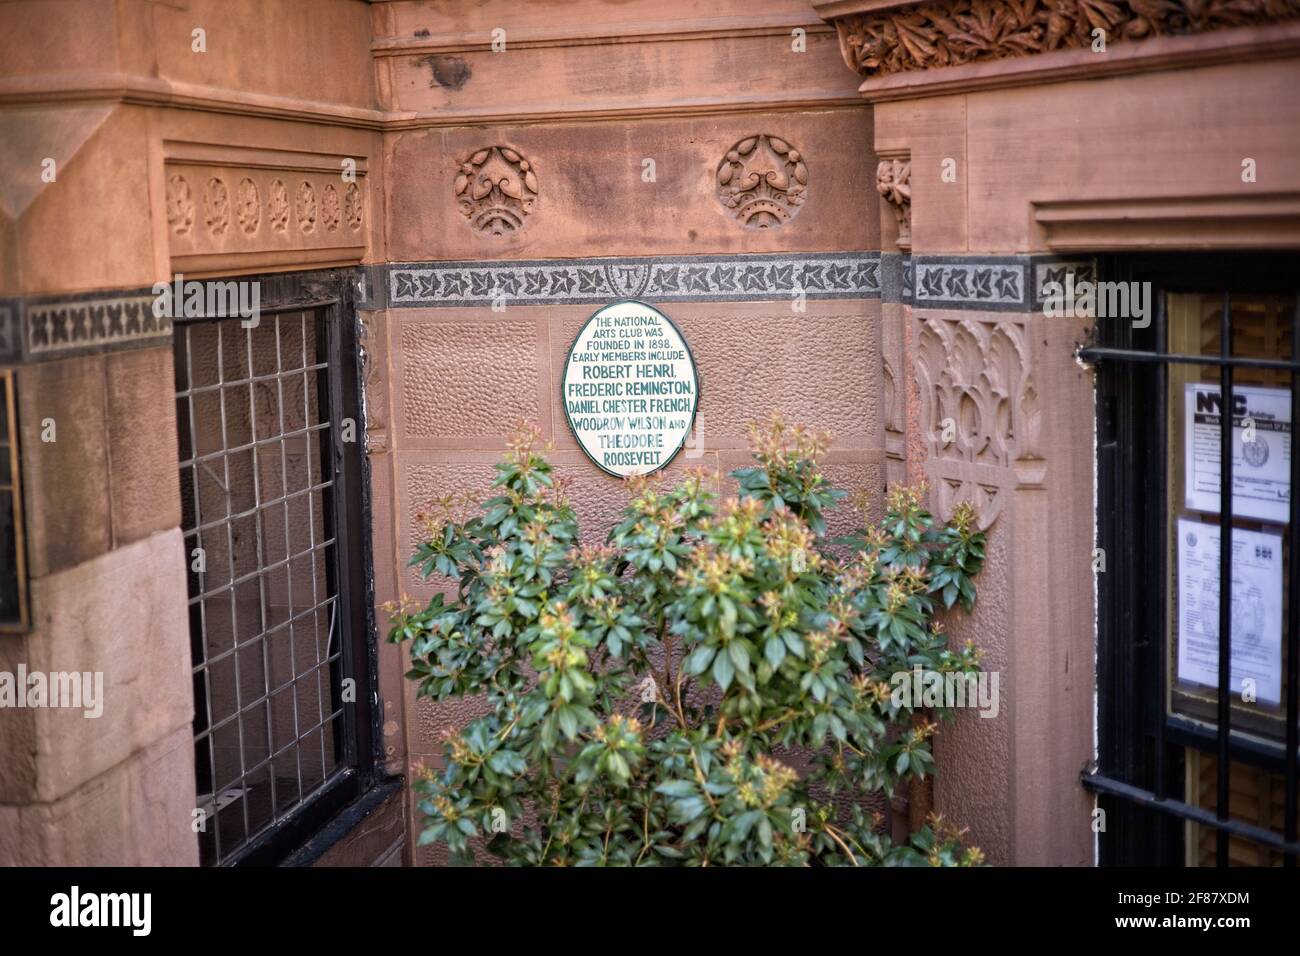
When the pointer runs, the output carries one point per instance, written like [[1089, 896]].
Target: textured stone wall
[[1004, 169], [593, 92]]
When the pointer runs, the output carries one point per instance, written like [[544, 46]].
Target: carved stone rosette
[[894, 183], [980, 411], [496, 189], [953, 32], [763, 180]]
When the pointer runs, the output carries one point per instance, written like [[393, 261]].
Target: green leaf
[[774, 651], [677, 788], [723, 670], [699, 660]]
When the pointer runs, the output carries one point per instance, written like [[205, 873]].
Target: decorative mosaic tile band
[[850, 275], [984, 283], [48, 327]]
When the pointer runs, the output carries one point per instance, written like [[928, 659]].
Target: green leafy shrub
[[639, 692]]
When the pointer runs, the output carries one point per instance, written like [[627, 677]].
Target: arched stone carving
[[980, 409]]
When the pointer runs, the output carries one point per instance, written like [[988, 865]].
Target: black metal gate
[[1172, 757], [273, 518]]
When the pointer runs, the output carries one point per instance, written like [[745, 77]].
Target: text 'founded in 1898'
[[630, 389]]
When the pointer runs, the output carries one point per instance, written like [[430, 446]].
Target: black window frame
[[332, 294], [1138, 776]]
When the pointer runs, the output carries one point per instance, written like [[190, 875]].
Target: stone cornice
[[659, 31], [92, 87], [885, 38], [83, 88]]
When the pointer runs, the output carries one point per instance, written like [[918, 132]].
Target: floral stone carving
[[216, 206], [180, 205], [953, 32], [496, 189], [763, 180], [249, 206], [894, 183]]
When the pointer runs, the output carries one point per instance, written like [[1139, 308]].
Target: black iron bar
[[1094, 354], [1101, 783], [1225, 581], [1293, 603]]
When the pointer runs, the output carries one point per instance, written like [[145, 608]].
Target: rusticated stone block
[[65, 481], [142, 444], [138, 813], [122, 614]]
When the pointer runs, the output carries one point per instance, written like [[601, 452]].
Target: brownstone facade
[[916, 187]]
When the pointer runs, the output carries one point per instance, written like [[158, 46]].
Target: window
[[13, 553], [1197, 697], [271, 503]]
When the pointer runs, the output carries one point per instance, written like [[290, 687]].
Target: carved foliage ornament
[[496, 189], [330, 207], [180, 204], [763, 180], [216, 206], [952, 32], [279, 205], [249, 206], [256, 207], [894, 183], [304, 206]]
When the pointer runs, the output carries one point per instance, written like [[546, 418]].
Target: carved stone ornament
[[496, 189], [180, 205], [980, 410], [894, 183], [279, 205], [953, 32], [331, 208], [352, 206], [305, 206], [216, 206], [763, 180], [248, 206]]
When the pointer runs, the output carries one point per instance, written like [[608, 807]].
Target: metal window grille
[[1141, 741], [257, 473], [13, 550]]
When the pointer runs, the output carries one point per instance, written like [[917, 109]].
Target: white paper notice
[[1256, 608], [1261, 468]]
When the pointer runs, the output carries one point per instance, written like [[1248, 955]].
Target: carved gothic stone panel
[[980, 410], [763, 181], [496, 189]]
